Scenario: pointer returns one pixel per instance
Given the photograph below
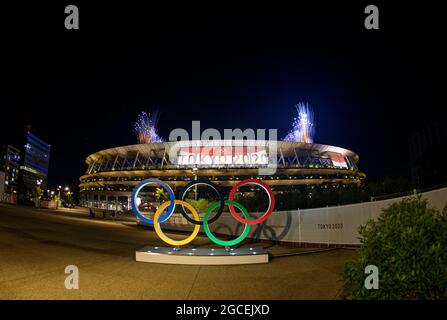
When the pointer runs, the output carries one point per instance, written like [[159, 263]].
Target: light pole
[[37, 198], [67, 194], [58, 197], [194, 173]]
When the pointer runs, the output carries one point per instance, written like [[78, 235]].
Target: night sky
[[226, 65]]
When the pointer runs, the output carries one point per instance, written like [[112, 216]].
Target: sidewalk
[[36, 245]]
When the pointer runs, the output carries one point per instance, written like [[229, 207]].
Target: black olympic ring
[[209, 184]]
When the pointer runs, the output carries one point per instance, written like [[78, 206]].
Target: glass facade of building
[[34, 169]]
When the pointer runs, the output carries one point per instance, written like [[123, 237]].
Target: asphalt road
[[36, 245]]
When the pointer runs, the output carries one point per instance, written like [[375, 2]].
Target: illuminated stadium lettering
[[222, 155]]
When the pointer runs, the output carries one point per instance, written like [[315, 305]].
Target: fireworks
[[303, 125], [145, 128]]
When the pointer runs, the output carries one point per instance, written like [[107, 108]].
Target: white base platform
[[202, 256]]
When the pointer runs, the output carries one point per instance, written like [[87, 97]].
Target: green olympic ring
[[229, 242]]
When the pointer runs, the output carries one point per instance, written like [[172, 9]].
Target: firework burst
[[303, 125], [145, 128]]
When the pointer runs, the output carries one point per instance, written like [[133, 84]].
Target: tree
[[68, 200], [161, 194], [200, 205], [408, 244], [36, 195]]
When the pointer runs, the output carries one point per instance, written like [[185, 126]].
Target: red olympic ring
[[269, 193]]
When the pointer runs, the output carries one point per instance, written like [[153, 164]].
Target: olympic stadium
[[112, 174]]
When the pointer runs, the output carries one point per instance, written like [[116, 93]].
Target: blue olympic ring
[[137, 190]]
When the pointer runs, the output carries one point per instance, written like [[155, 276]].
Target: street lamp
[[58, 197], [194, 173]]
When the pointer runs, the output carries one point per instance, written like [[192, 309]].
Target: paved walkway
[[36, 245]]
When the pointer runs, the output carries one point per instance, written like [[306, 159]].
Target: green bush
[[200, 205], [408, 244]]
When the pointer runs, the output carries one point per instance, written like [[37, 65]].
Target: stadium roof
[[159, 149]]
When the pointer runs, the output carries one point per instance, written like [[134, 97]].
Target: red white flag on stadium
[[338, 160]]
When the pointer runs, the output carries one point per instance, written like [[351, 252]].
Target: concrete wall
[[330, 226], [52, 204]]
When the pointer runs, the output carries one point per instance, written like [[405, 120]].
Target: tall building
[[9, 173], [34, 168]]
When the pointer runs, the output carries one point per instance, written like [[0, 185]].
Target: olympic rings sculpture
[[220, 205]]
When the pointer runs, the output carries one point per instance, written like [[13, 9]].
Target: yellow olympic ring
[[168, 240]]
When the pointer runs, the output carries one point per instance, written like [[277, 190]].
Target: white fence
[[327, 226]]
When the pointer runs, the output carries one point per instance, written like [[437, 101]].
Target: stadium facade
[[113, 173]]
